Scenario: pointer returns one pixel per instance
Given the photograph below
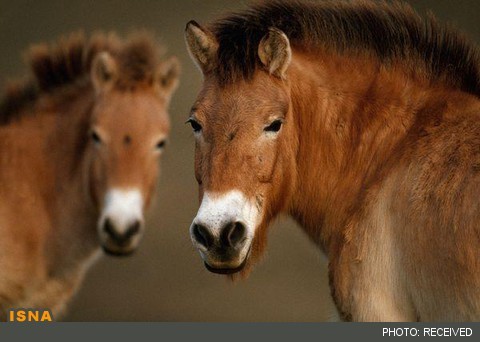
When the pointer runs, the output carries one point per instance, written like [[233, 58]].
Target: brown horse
[[79, 155], [362, 121]]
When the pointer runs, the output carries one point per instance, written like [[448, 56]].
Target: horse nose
[[232, 236], [202, 235], [121, 236]]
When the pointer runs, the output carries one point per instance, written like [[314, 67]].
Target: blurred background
[[165, 280]]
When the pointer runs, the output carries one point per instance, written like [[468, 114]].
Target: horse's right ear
[[103, 71], [201, 45]]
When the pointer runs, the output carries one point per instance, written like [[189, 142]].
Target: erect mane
[[68, 62], [389, 31]]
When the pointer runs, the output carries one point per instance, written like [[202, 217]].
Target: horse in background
[[359, 119], [80, 144]]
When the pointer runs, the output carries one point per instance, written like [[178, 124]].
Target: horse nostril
[[108, 228], [202, 235], [133, 229], [234, 234]]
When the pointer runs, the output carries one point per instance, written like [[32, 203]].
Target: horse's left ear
[[167, 77], [103, 71], [275, 53]]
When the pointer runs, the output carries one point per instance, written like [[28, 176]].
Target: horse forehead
[[138, 111], [134, 101], [242, 98], [240, 116]]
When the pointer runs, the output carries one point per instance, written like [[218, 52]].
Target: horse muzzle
[[121, 224], [223, 252], [120, 241], [223, 230]]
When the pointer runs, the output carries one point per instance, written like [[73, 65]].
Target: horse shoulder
[[366, 271], [441, 214], [420, 223]]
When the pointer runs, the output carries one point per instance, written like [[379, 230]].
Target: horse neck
[[65, 195], [351, 114], [69, 141]]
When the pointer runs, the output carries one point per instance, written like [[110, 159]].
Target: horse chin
[[227, 271], [118, 252], [233, 270]]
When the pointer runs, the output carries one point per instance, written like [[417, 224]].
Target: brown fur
[[345, 27], [54, 175], [378, 162], [69, 61]]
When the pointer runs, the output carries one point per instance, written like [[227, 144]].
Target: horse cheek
[[97, 182]]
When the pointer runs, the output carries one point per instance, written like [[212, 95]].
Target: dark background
[[165, 280]]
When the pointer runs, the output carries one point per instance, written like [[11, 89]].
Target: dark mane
[[68, 62], [390, 31]]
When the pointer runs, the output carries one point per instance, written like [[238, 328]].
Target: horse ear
[[103, 71], [275, 53], [167, 76], [201, 45]]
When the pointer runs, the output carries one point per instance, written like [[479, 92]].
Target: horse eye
[[161, 144], [95, 137], [274, 126], [195, 125]]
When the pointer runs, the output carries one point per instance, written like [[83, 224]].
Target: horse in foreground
[[79, 153], [362, 121]]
